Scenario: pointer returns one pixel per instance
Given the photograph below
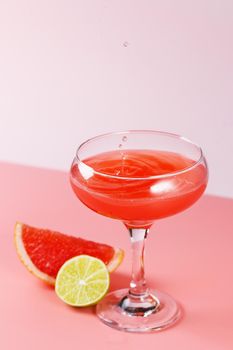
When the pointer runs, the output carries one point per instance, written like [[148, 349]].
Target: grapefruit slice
[[44, 251]]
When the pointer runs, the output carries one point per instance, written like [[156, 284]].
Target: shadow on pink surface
[[119, 280]]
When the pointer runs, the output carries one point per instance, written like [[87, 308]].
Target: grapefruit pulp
[[44, 251]]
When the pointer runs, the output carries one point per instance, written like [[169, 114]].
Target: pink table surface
[[189, 256]]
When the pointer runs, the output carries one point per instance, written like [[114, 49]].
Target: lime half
[[82, 281]]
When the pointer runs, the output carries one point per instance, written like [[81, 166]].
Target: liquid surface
[[127, 194], [138, 163]]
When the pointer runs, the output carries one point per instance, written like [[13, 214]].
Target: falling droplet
[[125, 43], [124, 138], [120, 145]]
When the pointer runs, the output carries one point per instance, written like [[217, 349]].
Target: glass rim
[[152, 177]]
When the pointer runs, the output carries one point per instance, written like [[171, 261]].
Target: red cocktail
[[128, 195], [138, 177]]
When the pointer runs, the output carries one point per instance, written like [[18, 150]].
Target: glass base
[[112, 311]]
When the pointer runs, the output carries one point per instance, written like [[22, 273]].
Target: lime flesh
[[82, 281]]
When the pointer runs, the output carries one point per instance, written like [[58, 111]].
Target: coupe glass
[[138, 177]]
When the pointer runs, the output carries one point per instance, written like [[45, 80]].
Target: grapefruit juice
[[138, 186]]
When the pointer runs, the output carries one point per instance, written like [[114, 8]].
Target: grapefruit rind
[[116, 260], [26, 260]]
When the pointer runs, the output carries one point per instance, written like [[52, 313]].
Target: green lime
[[82, 281]]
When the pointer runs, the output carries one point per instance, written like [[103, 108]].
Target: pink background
[[71, 69]]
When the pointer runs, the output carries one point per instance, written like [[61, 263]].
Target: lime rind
[[82, 281]]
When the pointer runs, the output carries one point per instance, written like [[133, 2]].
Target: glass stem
[[138, 287]]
